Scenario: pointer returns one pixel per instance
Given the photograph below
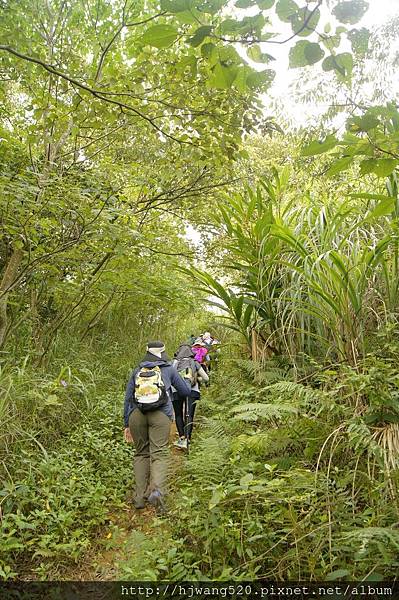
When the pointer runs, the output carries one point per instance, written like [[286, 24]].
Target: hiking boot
[[179, 443], [155, 498], [139, 504], [183, 444]]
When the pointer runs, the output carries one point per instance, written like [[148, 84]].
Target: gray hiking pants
[[150, 434]]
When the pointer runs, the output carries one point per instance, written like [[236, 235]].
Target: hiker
[[148, 413], [189, 369], [199, 350], [207, 339]]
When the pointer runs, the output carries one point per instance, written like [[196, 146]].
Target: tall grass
[[316, 281], [315, 275]]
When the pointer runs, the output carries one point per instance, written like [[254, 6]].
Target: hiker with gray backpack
[[148, 413], [184, 404]]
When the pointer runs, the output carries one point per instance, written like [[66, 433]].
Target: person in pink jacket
[[200, 351]]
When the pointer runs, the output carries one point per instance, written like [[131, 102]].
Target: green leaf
[[237, 307], [286, 9], [372, 196], [247, 316], [211, 283], [240, 81], [260, 79], [382, 167], [350, 11], [246, 479], [199, 35], [359, 39], [244, 3], [318, 147], [365, 123], [337, 574], [345, 62], [375, 577], [328, 64], [216, 498], [228, 56], [188, 17], [341, 63], [229, 26], [176, 6], [221, 306], [188, 61], [222, 77], [160, 36], [299, 19], [265, 4], [340, 165], [255, 53], [305, 53], [210, 6], [52, 400], [385, 207], [209, 51]]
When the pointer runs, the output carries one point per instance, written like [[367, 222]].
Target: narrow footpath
[[128, 533]]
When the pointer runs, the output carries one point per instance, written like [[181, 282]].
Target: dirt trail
[[126, 533]]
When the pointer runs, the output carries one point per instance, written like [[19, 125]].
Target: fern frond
[[264, 372], [370, 536], [270, 376], [208, 456], [295, 393], [254, 411], [361, 439], [210, 428], [257, 443]]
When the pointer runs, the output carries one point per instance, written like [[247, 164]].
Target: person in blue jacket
[[148, 413]]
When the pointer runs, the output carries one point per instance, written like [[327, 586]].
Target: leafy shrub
[[282, 494], [57, 500]]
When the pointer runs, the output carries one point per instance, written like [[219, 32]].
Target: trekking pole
[[186, 423]]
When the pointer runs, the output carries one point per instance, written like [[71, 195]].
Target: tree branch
[[92, 91], [258, 41], [116, 34]]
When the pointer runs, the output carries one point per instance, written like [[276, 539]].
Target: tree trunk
[[254, 346], [99, 314], [10, 274]]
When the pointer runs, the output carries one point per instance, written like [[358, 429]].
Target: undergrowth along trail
[[262, 494]]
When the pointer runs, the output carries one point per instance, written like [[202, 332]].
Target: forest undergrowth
[[149, 174], [65, 470], [280, 483]]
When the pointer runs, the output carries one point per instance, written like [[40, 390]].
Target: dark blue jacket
[[170, 377]]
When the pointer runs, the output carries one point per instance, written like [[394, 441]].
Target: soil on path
[[127, 532]]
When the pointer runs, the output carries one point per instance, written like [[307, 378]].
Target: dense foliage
[[124, 126]]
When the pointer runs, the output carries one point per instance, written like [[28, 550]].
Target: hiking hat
[[157, 349], [199, 342]]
